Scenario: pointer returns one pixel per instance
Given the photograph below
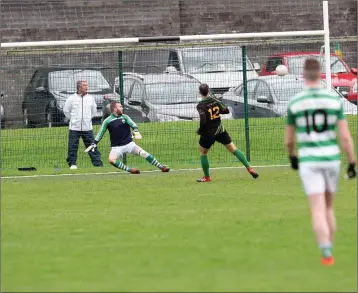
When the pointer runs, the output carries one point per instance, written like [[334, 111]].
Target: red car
[[343, 77]]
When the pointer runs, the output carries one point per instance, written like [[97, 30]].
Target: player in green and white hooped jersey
[[313, 115], [119, 127]]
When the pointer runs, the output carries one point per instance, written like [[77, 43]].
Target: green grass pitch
[[165, 232]]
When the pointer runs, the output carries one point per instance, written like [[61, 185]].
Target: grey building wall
[[25, 20]]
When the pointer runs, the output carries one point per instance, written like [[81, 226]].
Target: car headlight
[[355, 88], [163, 118]]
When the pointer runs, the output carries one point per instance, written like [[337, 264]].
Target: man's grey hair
[[79, 82]]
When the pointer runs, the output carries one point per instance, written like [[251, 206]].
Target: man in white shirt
[[80, 108]]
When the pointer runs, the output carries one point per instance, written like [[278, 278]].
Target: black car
[[49, 88]]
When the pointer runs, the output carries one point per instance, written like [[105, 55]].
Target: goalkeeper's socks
[[154, 161], [238, 154], [205, 164], [118, 164]]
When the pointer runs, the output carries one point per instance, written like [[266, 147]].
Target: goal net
[[157, 82]]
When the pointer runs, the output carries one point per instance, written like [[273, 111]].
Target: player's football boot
[[204, 179], [253, 173], [165, 169], [134, 171], [327, 261]]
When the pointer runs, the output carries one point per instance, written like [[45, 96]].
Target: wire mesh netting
[[160, 93]]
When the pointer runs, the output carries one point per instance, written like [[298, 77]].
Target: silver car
[[163, 97], [268, 96]]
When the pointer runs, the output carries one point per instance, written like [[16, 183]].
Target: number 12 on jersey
[[214, 112]]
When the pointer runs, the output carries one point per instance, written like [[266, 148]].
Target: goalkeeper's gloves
[[92, 148], [137, 135], [351, 172], [294, 162]]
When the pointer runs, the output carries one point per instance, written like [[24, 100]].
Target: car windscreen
[[296, 63], [65, 80], [208, 60], [172, 93]]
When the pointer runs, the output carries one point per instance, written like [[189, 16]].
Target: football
[[281, 70]]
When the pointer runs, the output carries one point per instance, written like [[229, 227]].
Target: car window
[[41, 81], [251, 84], [211, 60], [174, 60], [147, 61], [137, 92], [34, 78], [263, 90], [272, 64], [127, 86], [65, 80], [171, 93], [296, 63]]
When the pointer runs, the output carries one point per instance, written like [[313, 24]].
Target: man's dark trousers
[[73, 142]]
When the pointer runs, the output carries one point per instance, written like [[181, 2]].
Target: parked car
[[352, 95], [219, 67], [49, 88], [163, 97], [133, 112], [343, 77], [268, 96], [2, 111]]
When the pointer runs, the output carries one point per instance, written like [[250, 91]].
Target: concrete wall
[[24, 20]]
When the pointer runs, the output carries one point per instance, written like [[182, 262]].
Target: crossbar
[[163, 39]]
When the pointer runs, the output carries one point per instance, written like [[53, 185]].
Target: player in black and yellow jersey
[[211, 130]]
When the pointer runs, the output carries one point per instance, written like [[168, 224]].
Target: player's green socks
[[154, 161], [118, 164], [238, 154], [205, 164], [326, 250]]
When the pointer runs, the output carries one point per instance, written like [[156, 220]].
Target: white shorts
[[320, 179], [130, 148]]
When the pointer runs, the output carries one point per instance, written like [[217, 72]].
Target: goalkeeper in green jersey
[[119, 127], [313, 116]]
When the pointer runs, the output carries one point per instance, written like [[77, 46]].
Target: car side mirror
[[345, 94], [263, 99], [354, 70], [257, 66], [40, 89]]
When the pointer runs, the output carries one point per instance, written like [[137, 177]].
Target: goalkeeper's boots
[[134, 171], [165, 169], [253, 173], [327, 261], [204, 179]]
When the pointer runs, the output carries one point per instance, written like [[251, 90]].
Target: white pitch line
[[125, 173]]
